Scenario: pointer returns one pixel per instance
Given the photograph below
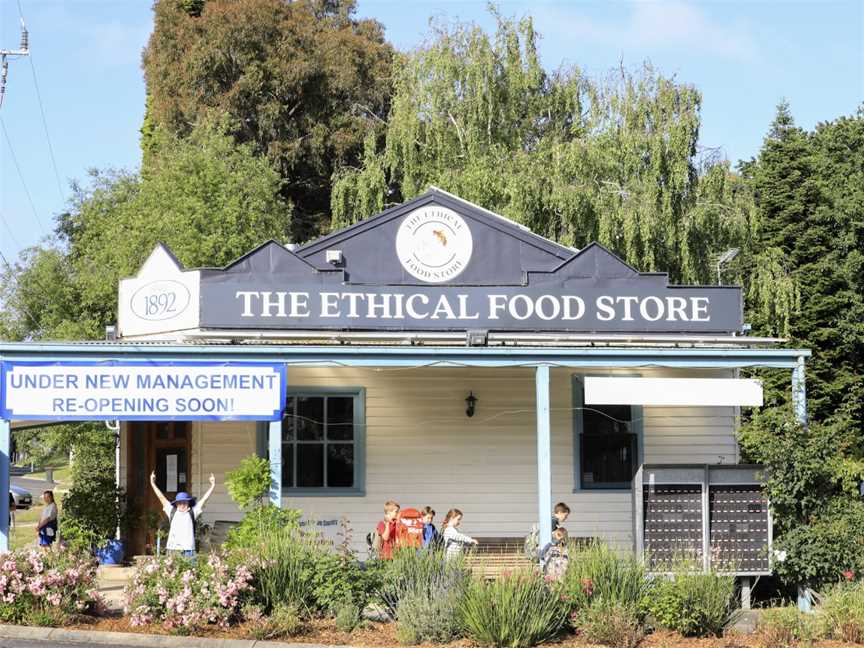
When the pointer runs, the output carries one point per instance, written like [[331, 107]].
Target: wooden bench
[[494, 556]]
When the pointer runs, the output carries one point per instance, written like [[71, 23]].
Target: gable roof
[[446, 199]]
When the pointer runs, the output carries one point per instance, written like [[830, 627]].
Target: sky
[[744, 57]]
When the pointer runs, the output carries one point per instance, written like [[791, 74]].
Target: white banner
[[143, 391], [673, 391]]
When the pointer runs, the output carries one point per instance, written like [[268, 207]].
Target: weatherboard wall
[[422, 450]]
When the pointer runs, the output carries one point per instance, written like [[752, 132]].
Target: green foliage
[[412, 571], [612, 624], [94, 506], [283, 566], [694, 603], [303, 82], [598, 575], [209, 199], [517, 611], [785, 627], [348, 617], [259, 524], [818, 515], [574, 159], [249, 483], [841, 613], [428, 600], [340, 580], [283, 621]]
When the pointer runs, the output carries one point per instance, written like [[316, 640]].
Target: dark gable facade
[[440, 263]]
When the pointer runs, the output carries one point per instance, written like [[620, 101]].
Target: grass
[[24, 532]]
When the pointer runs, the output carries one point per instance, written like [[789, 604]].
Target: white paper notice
[[171, 473]]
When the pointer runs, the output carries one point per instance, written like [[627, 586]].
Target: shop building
[[435, 354]]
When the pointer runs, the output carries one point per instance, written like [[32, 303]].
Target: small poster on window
[[171, 473]]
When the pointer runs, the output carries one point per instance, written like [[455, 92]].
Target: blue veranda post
[[544, 456], [5, 461]]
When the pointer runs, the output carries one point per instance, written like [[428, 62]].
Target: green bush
[[283, 569], [259, 524], [597, 574], [340, 579], [611, 624], [249, 483], [694, 603], [411, 571], [785, 627], [841, 613], [283, 621], [517, 611], [429, 611], [348, 617]]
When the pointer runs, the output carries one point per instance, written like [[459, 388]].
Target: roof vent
[[334, 257]]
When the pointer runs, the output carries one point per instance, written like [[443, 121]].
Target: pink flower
[[849, 574]]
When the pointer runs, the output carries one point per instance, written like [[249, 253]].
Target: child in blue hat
[[182, 514]]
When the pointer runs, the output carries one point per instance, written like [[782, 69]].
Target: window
[[607, 443], [322, 441]]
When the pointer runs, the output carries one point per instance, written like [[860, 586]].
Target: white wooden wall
[[422, 450]]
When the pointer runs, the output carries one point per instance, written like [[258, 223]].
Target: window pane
[[340, 418], [340, 465], [287, 465], [310, 418], [288, 422], [607, 459], [310, 465], [606, 419]]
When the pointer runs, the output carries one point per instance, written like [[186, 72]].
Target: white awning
[[672, 391]]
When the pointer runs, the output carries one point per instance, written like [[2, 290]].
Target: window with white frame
[[607, 442], [322, 448]]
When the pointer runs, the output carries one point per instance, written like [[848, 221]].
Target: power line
[[21, 176], [42, 112]]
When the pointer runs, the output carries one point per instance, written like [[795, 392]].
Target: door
[[161, 447]]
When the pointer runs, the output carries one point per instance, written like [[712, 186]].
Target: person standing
[[454, 541], [46, 528], [183, 514]]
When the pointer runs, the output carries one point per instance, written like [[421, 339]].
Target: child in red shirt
[[387, 529]]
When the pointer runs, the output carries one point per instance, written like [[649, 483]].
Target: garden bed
[[383, 635]]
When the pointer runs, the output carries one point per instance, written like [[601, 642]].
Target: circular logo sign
[[434, 244]]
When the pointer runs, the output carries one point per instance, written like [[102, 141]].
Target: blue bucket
[[111, 554]]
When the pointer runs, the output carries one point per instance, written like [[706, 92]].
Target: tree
[[809, 193], [304, 82], [573, 159], [207, 198]]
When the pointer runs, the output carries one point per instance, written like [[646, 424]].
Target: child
[[182, 514], [386, 530], [46, 530], [555, 557], [453, 540], [560, 515], [431, 537]]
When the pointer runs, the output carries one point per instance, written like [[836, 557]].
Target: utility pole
[[5, 55]]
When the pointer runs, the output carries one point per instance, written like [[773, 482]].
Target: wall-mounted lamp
[[471, 401]]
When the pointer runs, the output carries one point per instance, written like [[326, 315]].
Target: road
[[35, 486]]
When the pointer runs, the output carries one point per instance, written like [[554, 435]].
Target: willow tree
[[574, 159]]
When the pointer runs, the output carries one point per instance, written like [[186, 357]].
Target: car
[[22, 498]]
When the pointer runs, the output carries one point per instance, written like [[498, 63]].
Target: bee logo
[[440, 236]]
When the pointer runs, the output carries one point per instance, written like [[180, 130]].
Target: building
[[436, 354]]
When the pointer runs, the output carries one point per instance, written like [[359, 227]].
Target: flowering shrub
[[183, 595], [46, 587]]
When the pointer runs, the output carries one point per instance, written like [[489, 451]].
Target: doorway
[[162, 447]]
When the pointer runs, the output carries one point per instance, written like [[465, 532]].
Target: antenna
[[5, 55]]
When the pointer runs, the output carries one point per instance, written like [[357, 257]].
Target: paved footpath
[[29, 637]]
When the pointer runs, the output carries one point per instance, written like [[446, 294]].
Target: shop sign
[[142, 391]]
